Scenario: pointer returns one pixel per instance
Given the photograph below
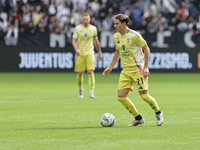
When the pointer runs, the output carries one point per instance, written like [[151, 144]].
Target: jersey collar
[[85, 26], [128, 30]]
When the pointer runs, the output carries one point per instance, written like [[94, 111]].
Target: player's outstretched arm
[[97, 47], [146, 61], [112, 64], [74, 43]]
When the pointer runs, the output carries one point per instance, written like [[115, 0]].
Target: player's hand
[[99, 56], [146, 72], [78, 52], [107, 71]]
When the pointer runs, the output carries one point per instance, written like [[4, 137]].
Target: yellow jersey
[[85, 37], [130, 49]]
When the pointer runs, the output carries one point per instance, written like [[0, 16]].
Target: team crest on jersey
[[85, 34], [128, 39]]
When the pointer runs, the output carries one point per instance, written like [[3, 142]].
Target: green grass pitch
[[42, 111]]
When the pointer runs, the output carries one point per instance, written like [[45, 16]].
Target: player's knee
[[121, 93], [80, 73], [90, 72]]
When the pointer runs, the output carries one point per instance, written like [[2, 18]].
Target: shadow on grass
[[80, 128]]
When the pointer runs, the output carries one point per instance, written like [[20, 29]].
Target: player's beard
[[85, 24]]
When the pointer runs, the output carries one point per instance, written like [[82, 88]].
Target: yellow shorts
[[83, 62], [126, 80]]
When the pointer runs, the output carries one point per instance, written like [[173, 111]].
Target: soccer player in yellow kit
[[84, 37], [129, 45]]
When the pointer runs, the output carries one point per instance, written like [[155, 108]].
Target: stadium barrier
[[164, 39], [45, 59]]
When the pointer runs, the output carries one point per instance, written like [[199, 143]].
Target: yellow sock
[[129, 105], [80, 81], [91, 81], [151, 101]]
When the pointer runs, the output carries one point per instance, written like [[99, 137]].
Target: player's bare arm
[[146, 62], [74, 43], [112, 64], [97, 47]]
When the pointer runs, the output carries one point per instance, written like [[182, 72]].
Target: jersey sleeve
[[75, 34], [115, 41], [95, 32], [139, 40]]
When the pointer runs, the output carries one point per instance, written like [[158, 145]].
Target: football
[[107, 120]]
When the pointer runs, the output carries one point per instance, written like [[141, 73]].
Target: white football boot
[[80, 93], [160, 119], [92, 93]]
